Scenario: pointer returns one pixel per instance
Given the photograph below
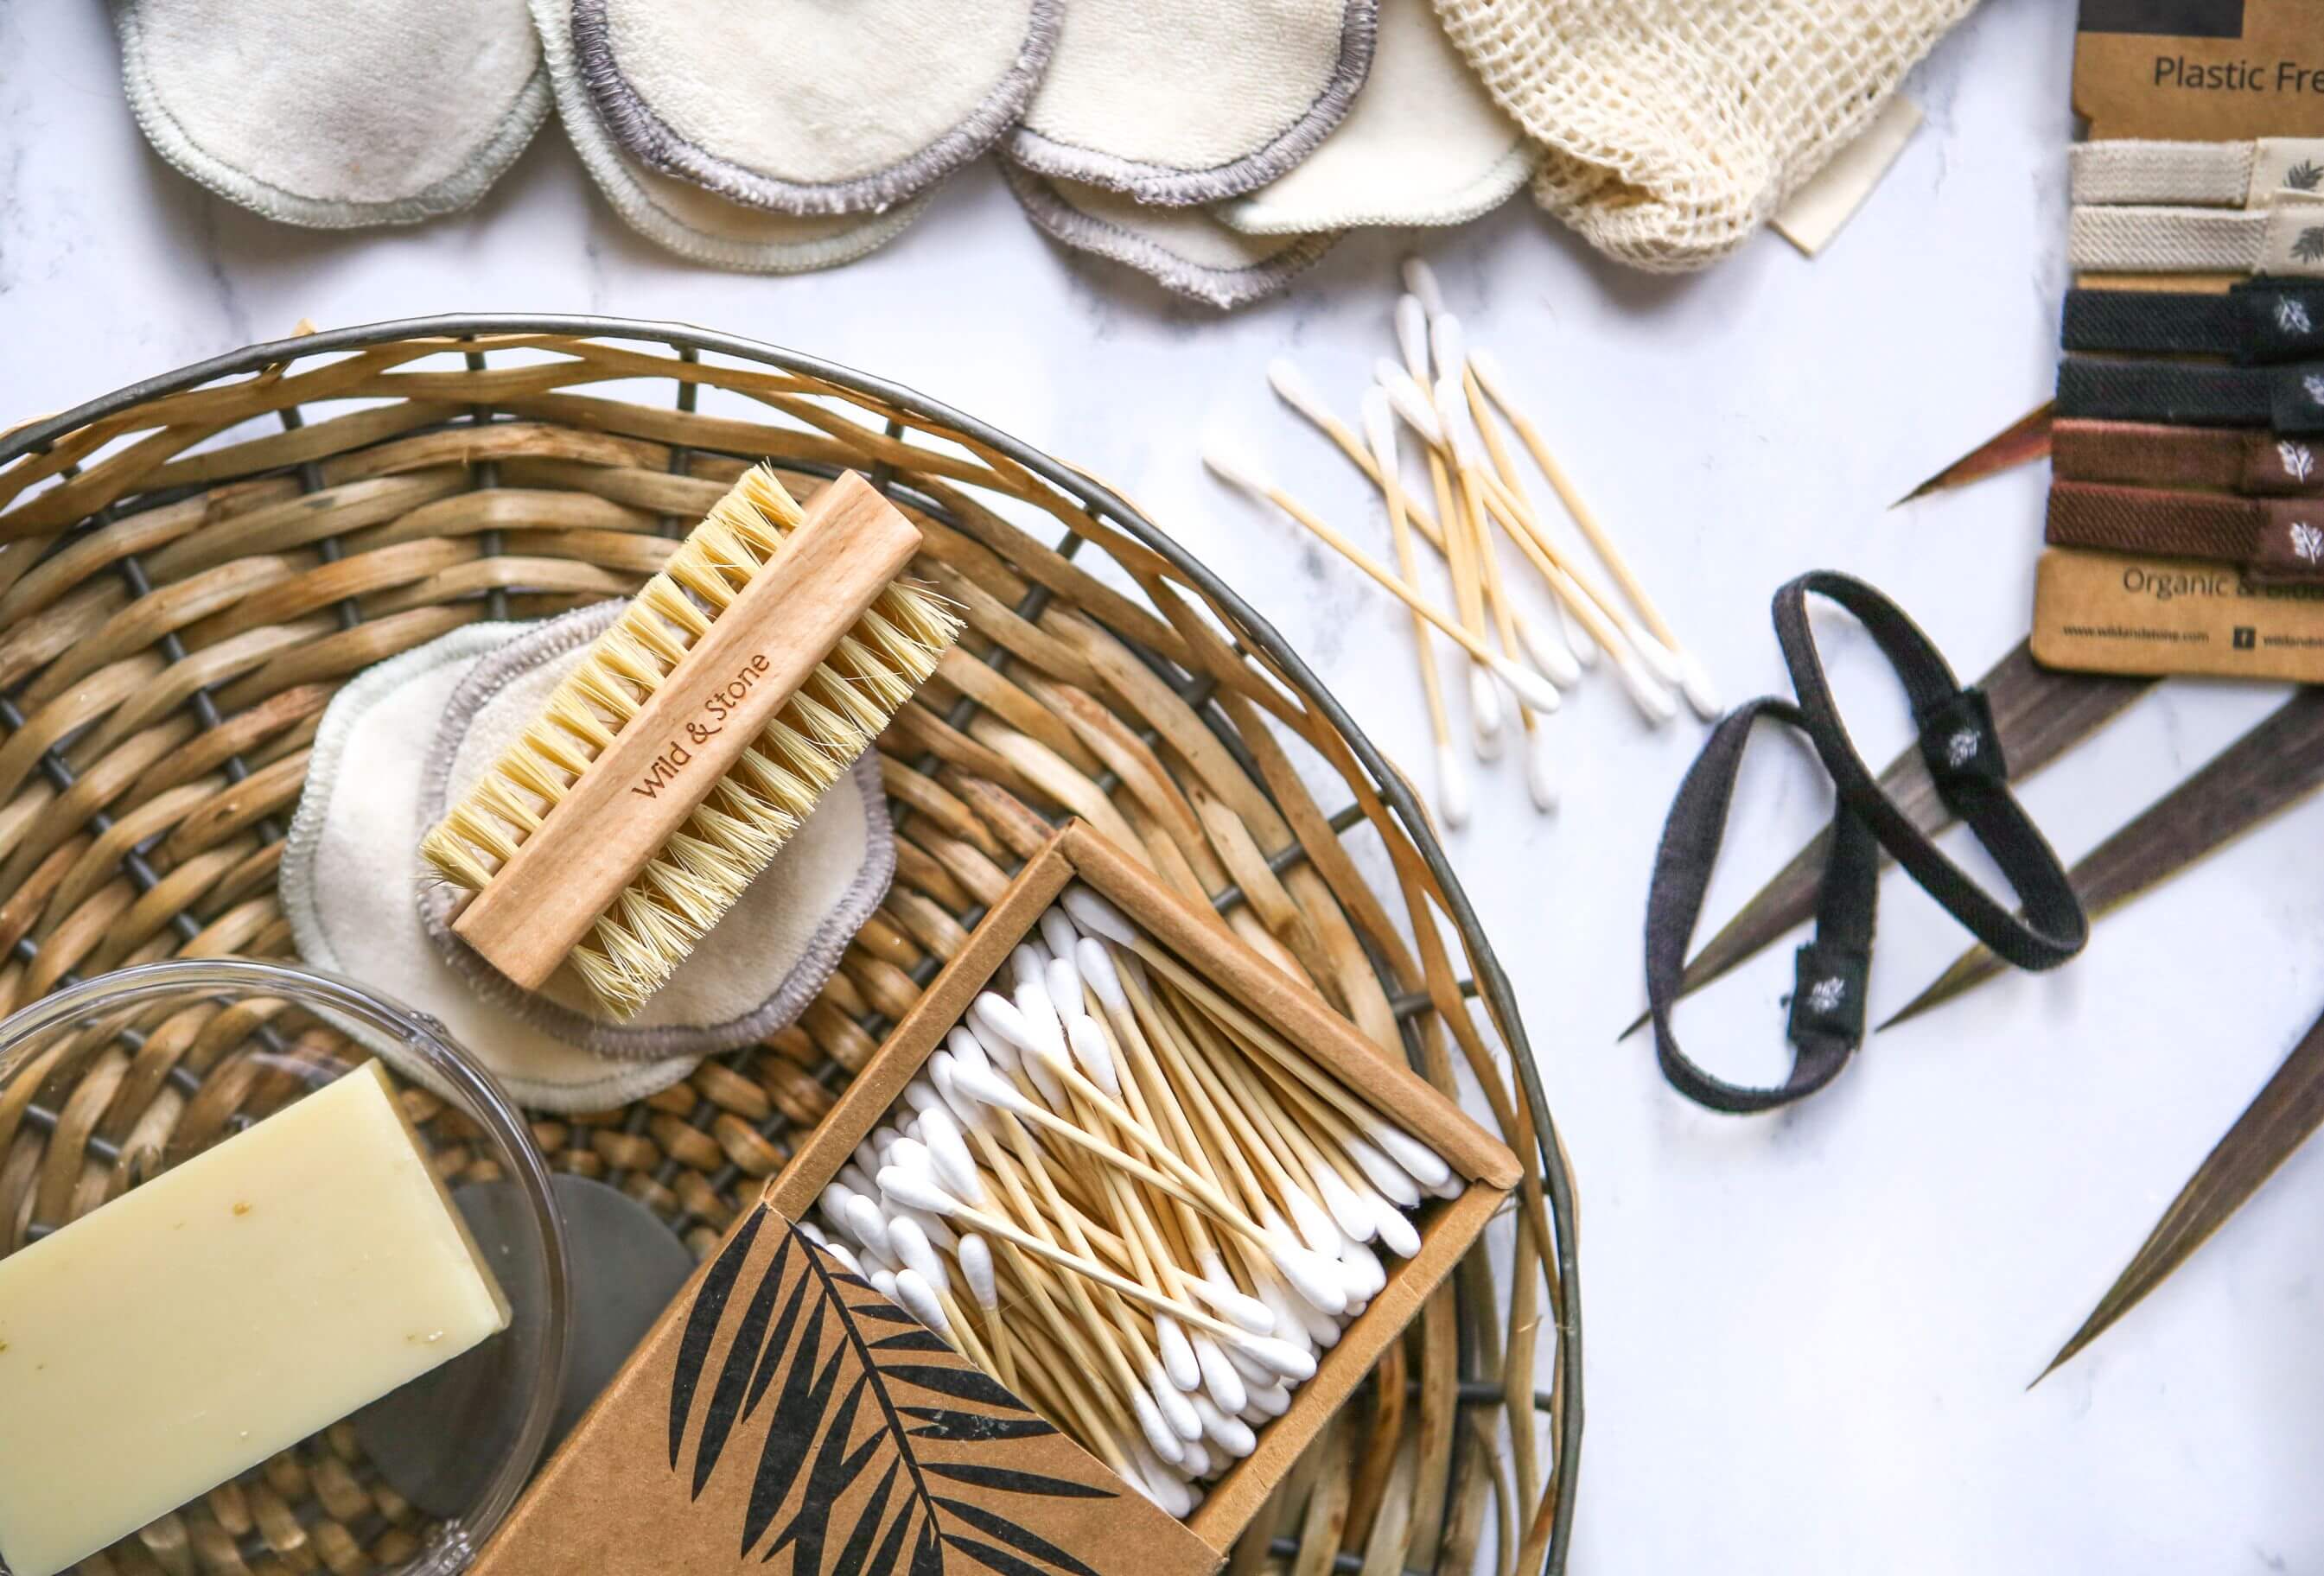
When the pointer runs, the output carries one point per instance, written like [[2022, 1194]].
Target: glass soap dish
[[108, 1084]]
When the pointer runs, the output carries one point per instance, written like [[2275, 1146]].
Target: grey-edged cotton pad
[[807, 107], [1184, 249], [335, 114], [680, 215], [403, 738], [1181, 102]]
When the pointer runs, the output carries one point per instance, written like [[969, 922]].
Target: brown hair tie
[[2275, 538], [2259, 464]]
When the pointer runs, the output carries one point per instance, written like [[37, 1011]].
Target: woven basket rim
[[1491, 980]]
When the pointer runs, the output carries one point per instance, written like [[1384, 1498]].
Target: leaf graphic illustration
[[943, 1423], [991, 1558], [868, 1525], [702, 1329], [2309, 246], [797, 1416], [771, 1356], [911, 1340], [852, 1456], [1015, 1481], [741, 1357], [960, 1384], [2305, 175], [835, 1468], [1017, 1537]]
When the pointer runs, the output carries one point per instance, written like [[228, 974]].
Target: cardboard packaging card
[[2115, 612], [786, 1415], [2200, 70]]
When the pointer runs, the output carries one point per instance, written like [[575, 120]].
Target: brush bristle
[[700, 872]]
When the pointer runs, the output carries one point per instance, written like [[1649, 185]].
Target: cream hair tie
[[2244, 175], [2286, 239]]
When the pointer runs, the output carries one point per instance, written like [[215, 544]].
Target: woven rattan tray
[[189, 567]]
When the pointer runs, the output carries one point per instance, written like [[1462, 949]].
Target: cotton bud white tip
[[1420, 278], [1094, 1056], [1063, 979], [1654, 702], [1314, 1223], [1223, 1429], [914, 1252], [1098, 972], [847, 1257], [1452, 786], [1366, 1274], [1177, 1353], [989, 1089], [1549, 651], [1420, 1161], [917, 1298], [1222, 1380], [883, 1281], [1528, 687], [1317, 1281], [1702, 694], [1271, 1400], [1448, 345], [1397, 1234], [1246, 1312], [1660, 659], [1160, 1437], [1541, 769], [915, 1189], [1096, 917], [1394, 1182], [1000, 1029], [868, 1225], [1237, 468], [1486, 716], [1578, 637], [975, 1257], [1410, 402], [1057, 932], [967, 1050], [1379, 427], [1291, 385], [1350, 1211], [1411, 334], [1280, 1357], [1197, 1464], [1175, 1409]]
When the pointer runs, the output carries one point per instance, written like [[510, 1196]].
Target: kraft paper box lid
[[2200, 70], [783, 1411]]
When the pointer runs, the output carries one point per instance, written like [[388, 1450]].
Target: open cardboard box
[[716, 1450]]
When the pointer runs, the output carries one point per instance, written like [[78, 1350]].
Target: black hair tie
[[1963, 753]]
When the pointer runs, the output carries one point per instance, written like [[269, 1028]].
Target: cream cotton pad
[[1179, 102], [802, 106], [334, 114], [402, 738], [682, 217], [1423, 145]]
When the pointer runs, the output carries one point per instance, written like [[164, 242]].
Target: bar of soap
[[223, 1310]]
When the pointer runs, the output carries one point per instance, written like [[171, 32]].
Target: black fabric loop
[[2261, 322], [1962, 747], [1827, 1021], [2053, 926], [2290, 399]]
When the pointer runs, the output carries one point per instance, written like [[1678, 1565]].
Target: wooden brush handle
[[663, 764]]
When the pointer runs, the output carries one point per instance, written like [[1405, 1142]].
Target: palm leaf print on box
[[2309, 246], [869, 1444], [2305, 175]]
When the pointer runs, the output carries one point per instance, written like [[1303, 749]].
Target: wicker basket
[[189, 567]]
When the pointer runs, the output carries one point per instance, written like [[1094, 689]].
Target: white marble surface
[[1809, 1336]]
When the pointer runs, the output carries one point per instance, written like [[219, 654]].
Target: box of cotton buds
[[1090, 1251]]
